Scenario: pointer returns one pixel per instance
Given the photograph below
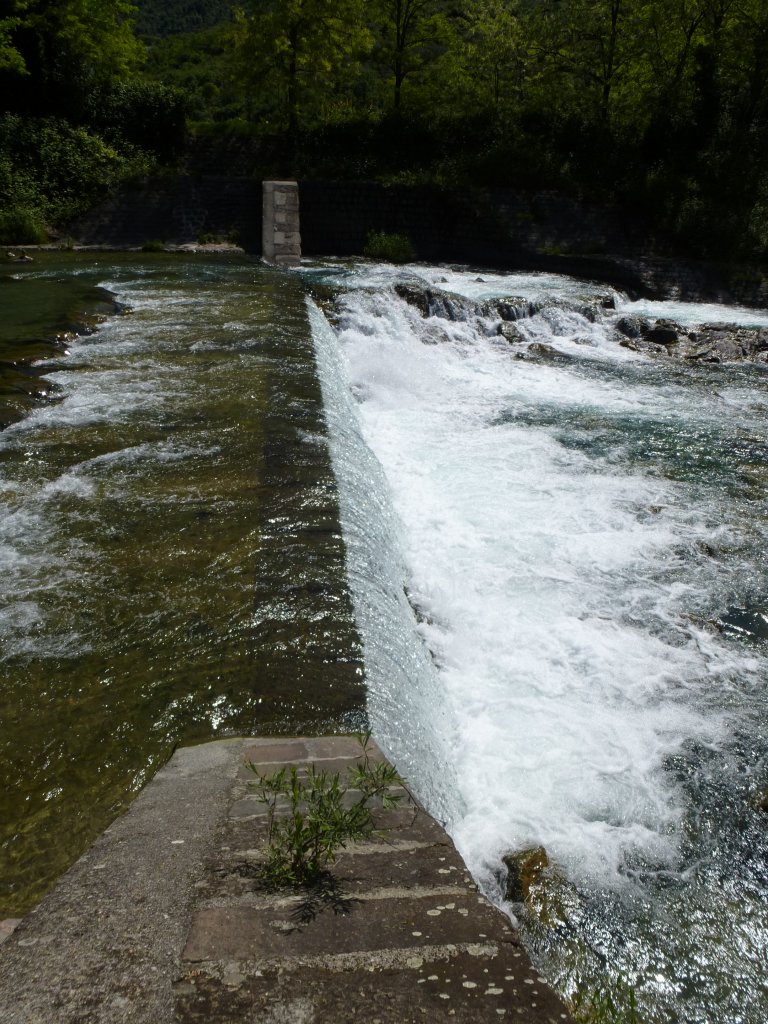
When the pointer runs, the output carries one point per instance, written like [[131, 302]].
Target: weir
[[175, 564], [544, 535]]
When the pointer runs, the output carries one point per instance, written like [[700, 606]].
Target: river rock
[[524, 870], [631, 326], [706, 343], [445, 305], [725, 343], [511, 309], [662, 332], [510, 332], [538, 348], [414, 296]]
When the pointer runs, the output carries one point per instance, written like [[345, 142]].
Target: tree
[[411, 33], [488, 59], [10, 58], [292, 45], [64, 47]]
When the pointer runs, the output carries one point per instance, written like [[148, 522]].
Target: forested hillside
[[663, 103], [172, 17]]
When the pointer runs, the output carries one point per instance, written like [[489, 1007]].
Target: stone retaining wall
[[492, 227]]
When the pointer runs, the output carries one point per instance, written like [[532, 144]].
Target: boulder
[[511, 309], [631, 326], [414, 296]]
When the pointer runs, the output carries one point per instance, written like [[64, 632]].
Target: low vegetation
[[312, 815], [389, 247]]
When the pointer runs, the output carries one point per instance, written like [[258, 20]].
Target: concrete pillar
[[281, 234]]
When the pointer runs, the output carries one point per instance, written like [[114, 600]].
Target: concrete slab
[[166, 919], [104, 946], [464, 985], [399, 934]]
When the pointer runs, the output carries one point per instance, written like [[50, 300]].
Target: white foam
[[554, 602]]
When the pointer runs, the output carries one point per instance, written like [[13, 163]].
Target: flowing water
[[172, 567], [556, 565], [558, 568]]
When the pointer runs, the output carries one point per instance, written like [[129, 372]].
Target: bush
[[21, 226], [391, 248], [153, 245]]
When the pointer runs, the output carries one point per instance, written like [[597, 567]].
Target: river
[[549, 567]]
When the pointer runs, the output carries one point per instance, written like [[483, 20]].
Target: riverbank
[[501, 228], [163, 920]]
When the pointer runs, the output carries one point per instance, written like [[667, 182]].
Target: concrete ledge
[[165, 920]]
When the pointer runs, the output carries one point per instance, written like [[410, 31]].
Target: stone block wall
[[175, 209], [486, 227]]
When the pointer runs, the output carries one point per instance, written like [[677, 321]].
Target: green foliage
[[201, 66], [171, 17], [660, 104], [411, 34], [298, 54], [20, 226], [62, 49], [10, 58], [153, 245], [311, 817], [389, 247], [141, 113], [49, 165]]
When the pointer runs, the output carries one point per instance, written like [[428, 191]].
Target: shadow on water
[[174, 565]]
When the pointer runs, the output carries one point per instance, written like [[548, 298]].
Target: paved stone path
[[164, 919]]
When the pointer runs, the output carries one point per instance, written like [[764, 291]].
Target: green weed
[[389, 247], [310, 817]]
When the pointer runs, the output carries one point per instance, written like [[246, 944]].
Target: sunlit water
[[557, 570], [170, 553], [559, 574]]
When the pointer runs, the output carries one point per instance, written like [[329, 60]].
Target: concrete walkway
[[164, 919]]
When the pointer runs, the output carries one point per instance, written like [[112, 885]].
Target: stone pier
[[281, 233]]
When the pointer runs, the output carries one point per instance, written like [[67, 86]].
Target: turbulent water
[[556, 561], [558, 567]]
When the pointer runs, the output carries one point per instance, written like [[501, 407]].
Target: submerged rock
[[538, 348], [524, 870]]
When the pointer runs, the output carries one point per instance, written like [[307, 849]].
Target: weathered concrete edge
[[111, 933]]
